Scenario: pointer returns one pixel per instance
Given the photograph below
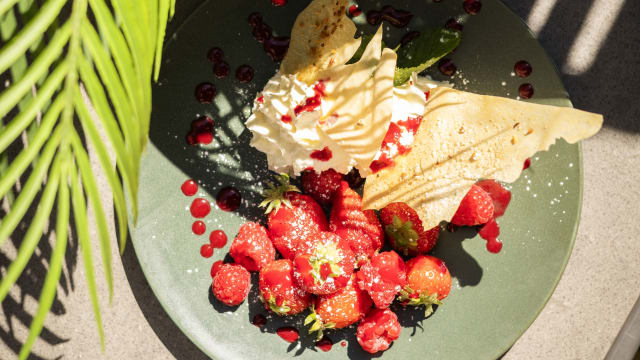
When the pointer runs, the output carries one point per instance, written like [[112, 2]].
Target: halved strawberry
[[404, 229], [321, 186], [500, 196], [347, 213], [323, 263], [252, 247], [339, 309], [475, 208], [279, 291], [292, 216], [428, 282], [382, 277]]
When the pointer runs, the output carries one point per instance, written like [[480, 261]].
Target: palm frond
[[92, 62]]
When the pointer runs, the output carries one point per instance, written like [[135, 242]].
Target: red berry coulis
[[206, 250], [354, 11], [472, 7], [490, 232], [198, 227], [278, 2], [255, 19], [275, 47], [453, 24], [189, 188], [289, 334], [244, 73], [526, 91], [215, 54], [527, 163], [522, 68], [324, 344], [408, 37], [205, 92], [218, 239], [228, 198], [286, 118], [343, 343], [221, 69], [259, 320], [396, 17], [313, 102], [200, 208], [447, 67], [392, 140], [322, 155], [201, 131]]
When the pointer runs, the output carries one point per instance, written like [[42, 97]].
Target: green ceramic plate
[[494, 297]]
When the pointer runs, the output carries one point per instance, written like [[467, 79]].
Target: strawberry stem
[[275, 195]]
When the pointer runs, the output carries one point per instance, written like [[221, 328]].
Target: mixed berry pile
[[351, 267]]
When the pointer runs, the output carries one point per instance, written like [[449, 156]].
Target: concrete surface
[[596, 46]]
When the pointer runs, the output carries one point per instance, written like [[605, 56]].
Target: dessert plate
[[494, 297]]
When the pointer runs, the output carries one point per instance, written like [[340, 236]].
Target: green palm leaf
[[93, 61]]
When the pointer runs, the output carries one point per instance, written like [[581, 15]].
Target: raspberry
[[231, 284], [252, 247], [378, 329], [321, 186], [475, 208], [383, 277]]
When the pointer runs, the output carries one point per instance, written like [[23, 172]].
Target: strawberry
[[377, 330], [323, 263], [500, 196], [382, 277], [404, 229], [321, 186], [278, 290], [475, 208], [292, 216], [428, 282], [347, 213], [359, 243], [231, 284], [252, 247], [338, 310]]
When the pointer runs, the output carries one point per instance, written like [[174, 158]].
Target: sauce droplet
[[408, 37], [343, 343], [354, 11], [322, 155], [244, 73], [276, 47], [215, 55], [522, 68], [201, 131], [278, 2], [396, 17], [221, 69], [324, 344], [490, 232], [228, 199], [206, 251], [215, 267], [527, 163], [205, 92], [255, 19], [189, 188], [286, 118], [526, 91], [288, 333], [472, 7], [218, 239], [198, 227], [453, 24], [259, 320], [200, 208], [447, 67]]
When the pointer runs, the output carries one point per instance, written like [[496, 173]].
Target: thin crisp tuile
[[444, 161], [359, 102], [322, 36]]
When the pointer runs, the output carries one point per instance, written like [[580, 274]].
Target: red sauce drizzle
[[259, 320], [198, 227], [426, 95], [228, 198], [260, 99], [527, 163], [324, 344], [201, 131], [354, 11], [322, 155], [313, 102], [288, 333], [343, 343], [392, 137], [286, 118], [278, 2], [189, 188], [490, 232], [200, 208]]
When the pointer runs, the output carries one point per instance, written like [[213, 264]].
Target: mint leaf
[[424, 51]]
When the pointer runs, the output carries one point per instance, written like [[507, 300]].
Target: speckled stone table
[[596, 46]]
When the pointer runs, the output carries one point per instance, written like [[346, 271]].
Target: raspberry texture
[[231, 284], [377, 330], [252, 247], [383, 277], [321, 186]]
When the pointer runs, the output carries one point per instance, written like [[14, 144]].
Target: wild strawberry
[[321, 186], [428, 282], [252, 247], [347, 213], [475, 208], [231, 284], [292, 216], [382, 277], [338, 310], [323, 263], [404, 229], [500, 196], [378, 330], [279, 291]]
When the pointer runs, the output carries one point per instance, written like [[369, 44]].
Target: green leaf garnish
[[424, 51], [274, 195]]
